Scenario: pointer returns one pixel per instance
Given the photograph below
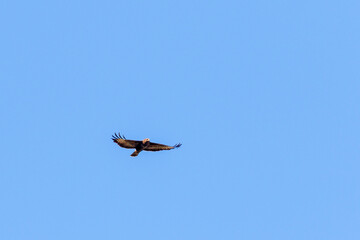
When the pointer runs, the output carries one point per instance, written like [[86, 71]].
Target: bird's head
[[145, 140]]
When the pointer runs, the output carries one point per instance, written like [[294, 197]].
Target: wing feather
[[159, 147], [123, 142]]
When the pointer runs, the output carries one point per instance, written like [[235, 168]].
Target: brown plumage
[[145, 145]]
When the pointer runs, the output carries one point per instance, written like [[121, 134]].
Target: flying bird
[[145, 145]]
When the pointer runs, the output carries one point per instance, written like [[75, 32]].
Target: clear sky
[[263, 95]]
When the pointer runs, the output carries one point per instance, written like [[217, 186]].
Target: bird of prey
[[139, 146]]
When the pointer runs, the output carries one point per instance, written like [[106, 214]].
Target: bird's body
[[140, 146], [144, 145]]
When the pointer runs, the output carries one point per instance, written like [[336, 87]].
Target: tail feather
[[134, 154]]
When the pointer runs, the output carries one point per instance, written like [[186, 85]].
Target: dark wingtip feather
[[114, 138], [177, 145], [117, 136]]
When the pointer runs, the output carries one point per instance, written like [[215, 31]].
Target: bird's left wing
[[159, 147], [123, 142]]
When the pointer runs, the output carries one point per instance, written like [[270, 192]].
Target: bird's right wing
[[123, 142], [159, 147]]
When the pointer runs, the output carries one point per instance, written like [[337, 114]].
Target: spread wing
[[123, 142], [159, 147]]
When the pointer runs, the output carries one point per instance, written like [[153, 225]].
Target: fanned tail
[[134, 154]]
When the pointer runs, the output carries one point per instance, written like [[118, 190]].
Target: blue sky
[[263, 95]]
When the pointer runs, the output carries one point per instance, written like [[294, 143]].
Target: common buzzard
[[145, 145]]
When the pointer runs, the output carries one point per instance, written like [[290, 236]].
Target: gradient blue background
[[264, 96]]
